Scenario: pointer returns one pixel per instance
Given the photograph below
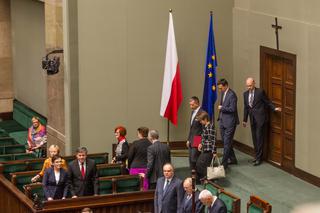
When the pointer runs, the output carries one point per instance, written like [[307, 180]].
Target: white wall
[[300, 35], [28, 44], [121, 60]]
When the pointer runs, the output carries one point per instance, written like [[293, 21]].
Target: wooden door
[[278, 77]]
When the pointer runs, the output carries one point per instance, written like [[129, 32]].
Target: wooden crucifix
[[276, 27]]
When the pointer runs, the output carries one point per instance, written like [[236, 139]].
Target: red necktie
[[82, 171]]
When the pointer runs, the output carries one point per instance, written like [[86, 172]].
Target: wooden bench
[[19, 179], [107, 185], [13, 200], [256, 205], [36, 164], [231, 201]]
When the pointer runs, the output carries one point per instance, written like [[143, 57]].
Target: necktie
[[166, 186], [82, 170], [250, 98], [193, 111]]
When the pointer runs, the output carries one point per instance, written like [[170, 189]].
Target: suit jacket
[[158, 155], [228, 115], [187, 204], [195, 128], [137, 157], [80, 186], [258, 110], [50, 186], [169, 201], [218, 207], [124, 153]]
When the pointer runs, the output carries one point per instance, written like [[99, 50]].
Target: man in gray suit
[[158, 154], [169, 192], [228, 121], [195, 130], [187, 198]]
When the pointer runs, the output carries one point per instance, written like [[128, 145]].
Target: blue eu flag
[[210, 82]]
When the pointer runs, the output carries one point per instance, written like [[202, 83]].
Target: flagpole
[[168, 132], [168, 124]]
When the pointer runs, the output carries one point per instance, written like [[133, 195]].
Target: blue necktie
[[166, 186]]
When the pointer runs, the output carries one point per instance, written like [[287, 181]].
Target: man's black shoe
[[257, 163]]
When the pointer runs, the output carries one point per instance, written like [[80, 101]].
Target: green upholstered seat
[[14, 149], [129, 184], [5, 158], [214, 190], [10, 168], [37, 189], [22, 180], [109, 171], [11, 126], [228, 201], [254, 209], [24, 156], [36, 165], [105, 187], [99, 159], [20, 137], [7, 141]]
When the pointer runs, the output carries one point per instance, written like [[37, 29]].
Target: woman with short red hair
[[122, 146]]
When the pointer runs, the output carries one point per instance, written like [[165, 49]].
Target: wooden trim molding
[[310, 178]]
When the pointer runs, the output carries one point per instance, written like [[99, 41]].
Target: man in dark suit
[[83, 175], [158, 154], [195, 130], [187, 198], [255, 104], [213, 203], [228, 120], [169, 192]]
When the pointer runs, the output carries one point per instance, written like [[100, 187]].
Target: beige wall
[[300, 35], [121, 59], [28, 44]]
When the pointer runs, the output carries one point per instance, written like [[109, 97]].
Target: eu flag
[[210, 82]]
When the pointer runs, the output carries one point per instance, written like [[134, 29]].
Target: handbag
[[215, 172]]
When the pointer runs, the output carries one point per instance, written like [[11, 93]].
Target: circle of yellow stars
[[210, 74]]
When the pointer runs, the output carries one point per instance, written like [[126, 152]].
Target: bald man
[[168, 195], [255, 104]]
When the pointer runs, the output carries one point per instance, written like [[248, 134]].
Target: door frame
[[264, 84]]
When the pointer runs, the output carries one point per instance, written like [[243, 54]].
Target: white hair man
[[213, 203]]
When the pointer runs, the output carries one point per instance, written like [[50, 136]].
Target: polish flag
[[171, 89]]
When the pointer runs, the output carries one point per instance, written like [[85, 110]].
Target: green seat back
[[105, 187], [2, 150], [7, 141], [212, 189], [109, 171], [13, 149], [10, 126], [24, 156], [254, 209], [228, 201], [22, 180], [99, 159], [37, 165], [10, 168], [5, 158], [39, 191], [20, 137], [128, 184], [23, 114]]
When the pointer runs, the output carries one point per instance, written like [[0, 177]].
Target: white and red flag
[[171, 90]]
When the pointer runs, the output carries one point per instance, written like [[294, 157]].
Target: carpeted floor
[[282, 190]]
